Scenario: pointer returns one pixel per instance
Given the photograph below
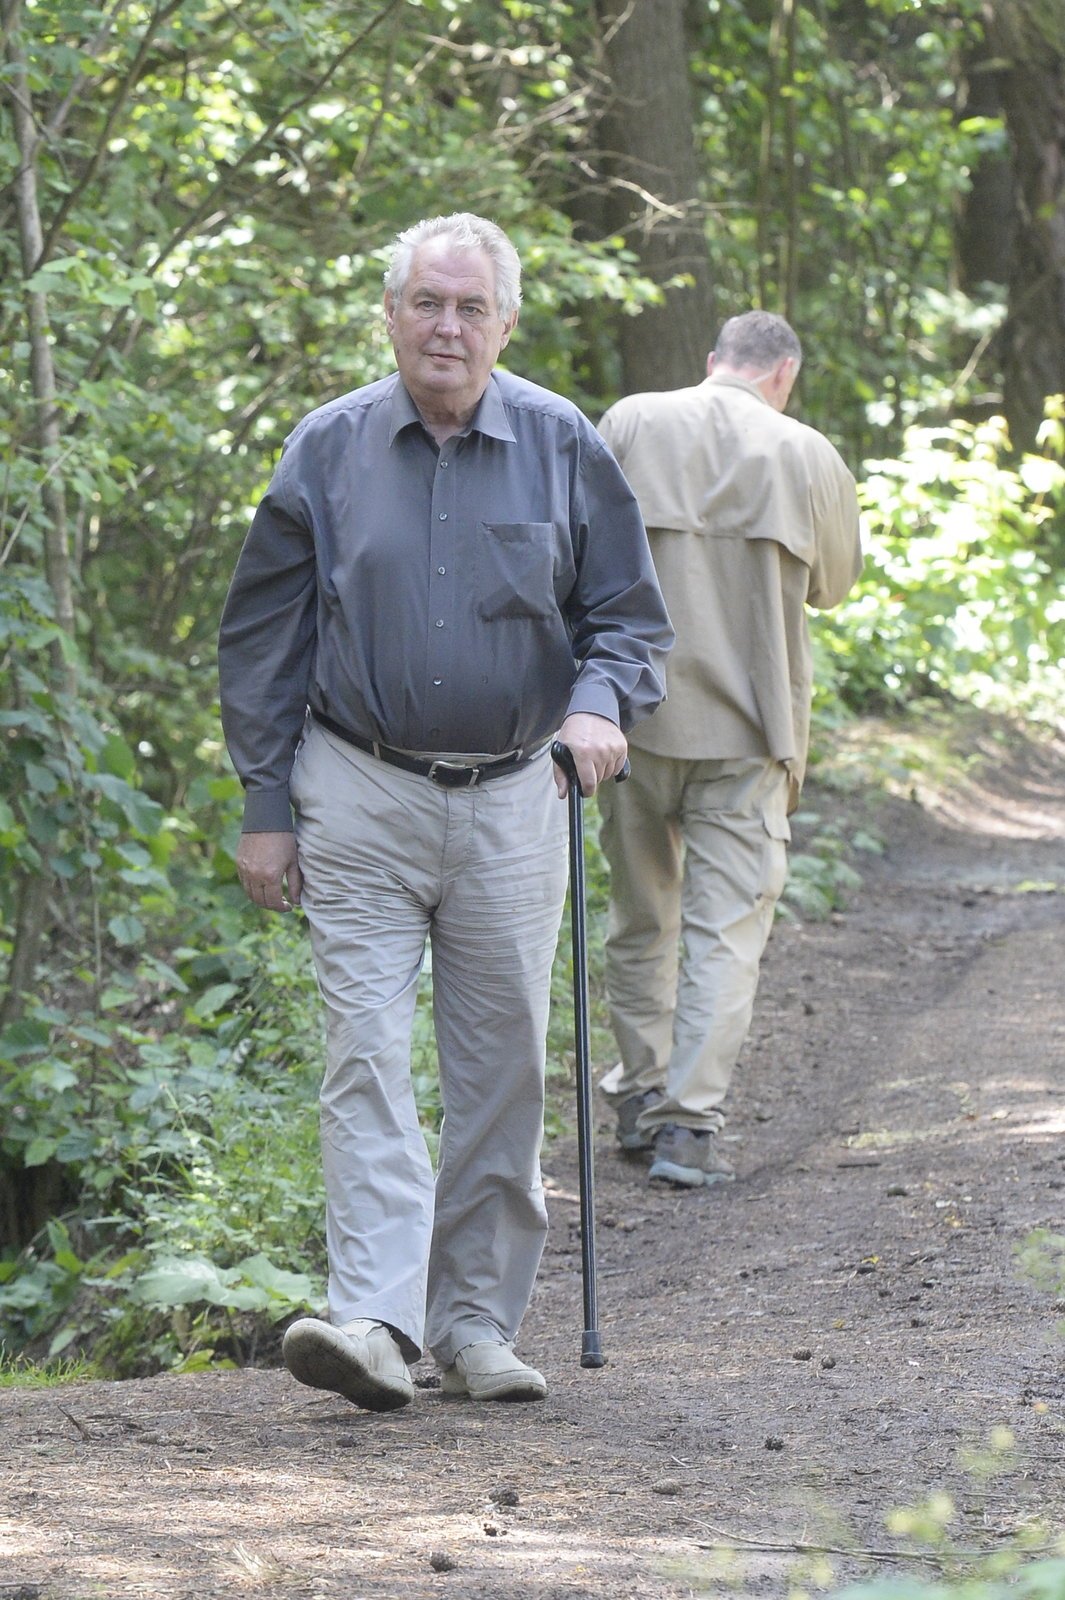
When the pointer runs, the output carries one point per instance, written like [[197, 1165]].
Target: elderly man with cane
[[447, 570]]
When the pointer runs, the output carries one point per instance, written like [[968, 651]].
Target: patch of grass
[[16, 1372]]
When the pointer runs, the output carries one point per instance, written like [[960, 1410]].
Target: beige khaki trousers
[[390, 860], [698, 857]]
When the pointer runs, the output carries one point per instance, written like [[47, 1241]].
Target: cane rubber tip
[[591, 1354]]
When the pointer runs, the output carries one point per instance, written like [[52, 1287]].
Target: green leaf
[[41, 779], [179, 1283], [24, 1038], [51, 1076], [90, 1035], [76, 1145], [61, 1340], [153, 966], [115, 996], [214, 1000], [117, 758], [143, 814], [182, 1282], [38, 1151], [43, 280], [126, 929], [145, 1095], [293, 1288], [1043, 1580]]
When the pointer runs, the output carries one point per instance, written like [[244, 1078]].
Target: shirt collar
[[489, 418], [729, 381]]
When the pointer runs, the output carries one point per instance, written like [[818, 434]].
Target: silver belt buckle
[[454, 766]]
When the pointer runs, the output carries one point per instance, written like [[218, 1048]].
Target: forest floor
[[793, 1359]]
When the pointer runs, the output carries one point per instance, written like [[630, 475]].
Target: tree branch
[[226, 174], [125, 89], [54, 126]]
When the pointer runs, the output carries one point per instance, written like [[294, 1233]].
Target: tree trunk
[[30, 921], [1028, 36], [653, 198], [984, 228], [778, 262], [32, 890], [42, 366]]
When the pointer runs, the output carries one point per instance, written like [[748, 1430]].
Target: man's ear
[[508, 329], [390, 310], [784, 380], [711, 362]]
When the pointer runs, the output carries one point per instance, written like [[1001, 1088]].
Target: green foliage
[[217, 191], [820, 878], [1019, 1567], [1037, 1580], [1041, 1259], [955, 597], [833, 178], [191, 1140], [927, 1563], [18, 1373]]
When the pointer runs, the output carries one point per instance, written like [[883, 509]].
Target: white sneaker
[[360, 1361], [491, 1371]]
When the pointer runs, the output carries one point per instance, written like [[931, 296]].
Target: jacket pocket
[[517, 571]]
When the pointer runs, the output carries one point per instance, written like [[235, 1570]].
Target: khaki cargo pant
[[698, 859], [389, 859]]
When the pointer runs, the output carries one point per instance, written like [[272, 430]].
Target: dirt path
[[838, 1334]]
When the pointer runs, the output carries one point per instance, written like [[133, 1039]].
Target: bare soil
[[841, 1332]]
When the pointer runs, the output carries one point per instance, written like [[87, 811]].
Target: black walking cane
[[591, 1353]]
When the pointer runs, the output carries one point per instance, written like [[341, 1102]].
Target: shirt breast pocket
[[517, 571]]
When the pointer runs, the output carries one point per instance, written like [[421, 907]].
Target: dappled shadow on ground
[[1013, 790], [973, 773]]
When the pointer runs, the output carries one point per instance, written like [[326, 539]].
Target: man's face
[[445, 329]]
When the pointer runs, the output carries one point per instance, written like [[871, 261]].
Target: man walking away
[[752, 517]]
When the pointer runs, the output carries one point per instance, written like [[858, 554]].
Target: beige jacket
[[752, 516]]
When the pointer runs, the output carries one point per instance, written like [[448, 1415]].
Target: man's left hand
[[598, 747]]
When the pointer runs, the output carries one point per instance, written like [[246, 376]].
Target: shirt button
[[441, 570], [439, 622], [443, 516], [443, 463], [437, 682]]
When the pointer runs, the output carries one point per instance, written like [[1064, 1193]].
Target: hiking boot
[[491, 1371], [689, 1156], [629, 1136], [360, 1361]]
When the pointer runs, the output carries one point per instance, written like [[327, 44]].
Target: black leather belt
[[448, 774]]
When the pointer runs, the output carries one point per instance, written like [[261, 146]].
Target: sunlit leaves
[[955, 596]]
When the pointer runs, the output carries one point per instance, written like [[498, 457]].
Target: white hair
[[466, 232]]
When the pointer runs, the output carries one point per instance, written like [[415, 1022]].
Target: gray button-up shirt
[[460, 599]]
